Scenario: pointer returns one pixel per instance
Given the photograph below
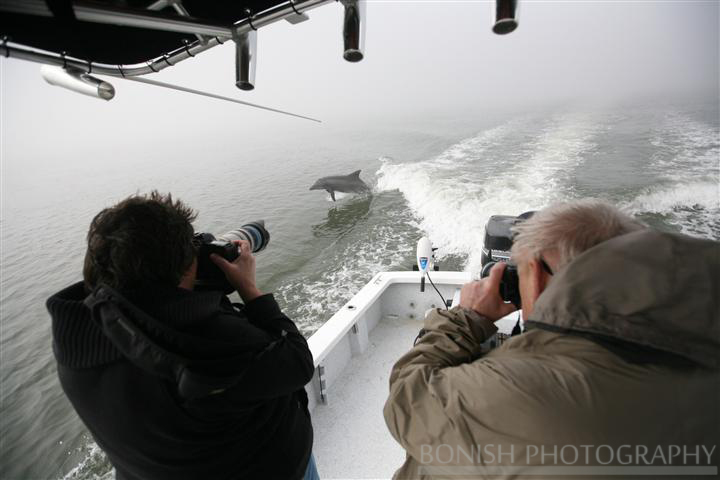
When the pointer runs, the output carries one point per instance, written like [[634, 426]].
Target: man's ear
[[188, 279], [538, 277]]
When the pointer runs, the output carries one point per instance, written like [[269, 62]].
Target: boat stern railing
[[346, 333]]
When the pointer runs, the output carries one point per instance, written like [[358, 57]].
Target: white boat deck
[[351, 439], [353, 353]]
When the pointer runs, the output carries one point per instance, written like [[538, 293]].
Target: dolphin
[[341, 183]]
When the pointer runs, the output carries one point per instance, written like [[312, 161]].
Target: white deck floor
[[351, 439]]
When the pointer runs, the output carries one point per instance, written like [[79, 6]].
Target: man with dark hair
[[141, 242], [175, 383]]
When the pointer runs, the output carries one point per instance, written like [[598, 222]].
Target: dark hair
[[145, 241]]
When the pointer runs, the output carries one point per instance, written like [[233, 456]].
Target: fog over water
[[448, 122]]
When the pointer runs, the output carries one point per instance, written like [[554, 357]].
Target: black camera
[[496, 248], [209, 276]]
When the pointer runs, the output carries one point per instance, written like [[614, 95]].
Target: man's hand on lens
[[241, 271], [483, 296]]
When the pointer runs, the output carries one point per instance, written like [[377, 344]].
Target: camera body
[[496, 248], [209, 276]]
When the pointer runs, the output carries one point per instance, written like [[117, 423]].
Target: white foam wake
[[693, 207], [686, 149], [338, 196], [313, 299], [94, 465], [663, 200], [687, 157], [454, 194]]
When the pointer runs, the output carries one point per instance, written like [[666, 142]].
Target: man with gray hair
[[616, 374]]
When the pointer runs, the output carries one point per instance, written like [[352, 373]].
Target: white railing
[[345, 335]]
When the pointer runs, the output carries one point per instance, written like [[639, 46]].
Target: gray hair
[[568, 229]]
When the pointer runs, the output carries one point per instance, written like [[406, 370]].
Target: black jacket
[[259, 428]]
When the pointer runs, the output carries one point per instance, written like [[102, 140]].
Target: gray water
[[441, 177]]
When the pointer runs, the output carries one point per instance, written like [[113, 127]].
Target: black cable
[[517, 329], [438, 291]]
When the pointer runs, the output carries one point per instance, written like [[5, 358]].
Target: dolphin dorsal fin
[[355, 174]]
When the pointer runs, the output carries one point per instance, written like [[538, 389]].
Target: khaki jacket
[[621, 357]]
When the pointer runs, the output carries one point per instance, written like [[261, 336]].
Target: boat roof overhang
[[128, 38], [54, 26]]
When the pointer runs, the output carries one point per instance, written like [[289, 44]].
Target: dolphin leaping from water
[[341, 183]]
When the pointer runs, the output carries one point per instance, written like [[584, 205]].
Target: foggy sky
[[422, 58]]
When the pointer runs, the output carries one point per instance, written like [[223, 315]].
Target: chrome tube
[[182, 11], [354, 30], [281, 12], [505, 16], [158, 5], [77, 81], [23, 52], [101, 13], [26, 7], [179, 8], [92, 12], [245, 60], [264, 18]]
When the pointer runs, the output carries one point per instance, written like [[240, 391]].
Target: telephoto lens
[[253, 232]]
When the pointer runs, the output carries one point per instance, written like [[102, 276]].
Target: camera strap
[[115, 316]]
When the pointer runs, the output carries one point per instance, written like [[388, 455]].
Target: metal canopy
[[124, 39], [63, 26], [128, 38], [131, 32]]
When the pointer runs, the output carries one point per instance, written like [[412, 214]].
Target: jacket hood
[[648, 288], [183, 322]]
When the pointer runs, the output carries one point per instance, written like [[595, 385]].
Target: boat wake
[[529, 163], [382, 240], [94, 465], [687, 162], [693, 207], [505, 170]]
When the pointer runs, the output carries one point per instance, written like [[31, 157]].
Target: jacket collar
[[181, 321], [78, 342]]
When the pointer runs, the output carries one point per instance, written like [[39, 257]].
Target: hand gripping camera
[[209, 276], [496, 248]]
